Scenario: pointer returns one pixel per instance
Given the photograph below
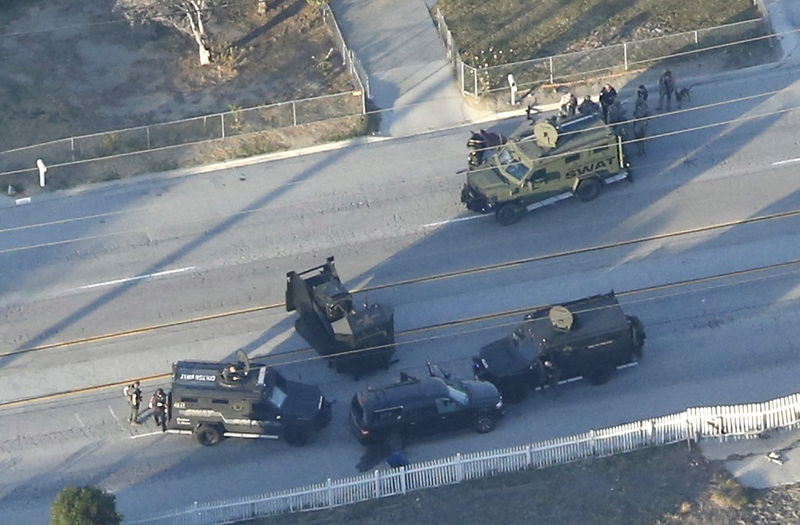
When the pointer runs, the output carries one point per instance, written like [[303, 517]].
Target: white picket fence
[[693, 425]]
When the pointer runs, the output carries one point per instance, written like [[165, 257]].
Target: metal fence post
[[377, 483], [147, 132], [330, 494], [528, 456], [552, 80], [459, 467], [696, 41], [475, 81], [625, 54], [461, 62], [72, 147], [222, 124], [591, 442], [294, 113], [403, 479]]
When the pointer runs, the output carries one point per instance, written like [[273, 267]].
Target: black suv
[[214, 400], [590, 338], [391, 414]]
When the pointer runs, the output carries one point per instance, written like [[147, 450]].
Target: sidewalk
[[410, 77]]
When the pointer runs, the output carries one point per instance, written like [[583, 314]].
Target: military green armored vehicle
[[555, 160]]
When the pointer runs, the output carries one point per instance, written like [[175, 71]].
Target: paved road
[[233, 240]]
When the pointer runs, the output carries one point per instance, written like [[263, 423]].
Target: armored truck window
[[219, 401], [388, 415], [457, 395], [189, 399], [512, 165], [277, 396], [600, 150], [572, 158]]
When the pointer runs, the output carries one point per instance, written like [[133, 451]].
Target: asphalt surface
[[161, 249]]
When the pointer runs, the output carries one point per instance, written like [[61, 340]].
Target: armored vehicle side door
[[543, 184], [267, 418]]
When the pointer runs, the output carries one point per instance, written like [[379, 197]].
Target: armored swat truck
[[588, 338], [357, 339], [559, 158], [213, 400]]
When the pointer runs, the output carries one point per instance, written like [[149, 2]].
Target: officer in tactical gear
[[134, 395], [158, 403]]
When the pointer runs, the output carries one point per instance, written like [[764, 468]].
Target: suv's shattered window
[[457, 395]]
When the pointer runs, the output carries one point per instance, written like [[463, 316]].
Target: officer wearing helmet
[[158, 404]]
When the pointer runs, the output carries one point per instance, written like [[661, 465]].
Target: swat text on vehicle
[[588, 338], [210, 401], [560, 158]]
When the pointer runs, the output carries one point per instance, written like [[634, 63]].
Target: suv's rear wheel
[[295, 436], [484, 423], [208, 435], [588, 189], [601, 374], [509, 213]]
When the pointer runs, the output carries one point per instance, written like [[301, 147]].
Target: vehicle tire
[[295, 436], [394, 442], [515, 394], [509, 213], [208, 435], [601, 374], [484, 423], [588, 189]]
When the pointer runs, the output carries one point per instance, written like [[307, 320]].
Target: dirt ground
[[664, 486], [525, 30], [72, 68]]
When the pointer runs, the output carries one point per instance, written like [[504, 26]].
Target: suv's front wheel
[[484, 423], [208, 435]]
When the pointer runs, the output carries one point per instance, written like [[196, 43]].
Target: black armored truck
[[357, 339], [556, 159], [212, 400], [588, 338]]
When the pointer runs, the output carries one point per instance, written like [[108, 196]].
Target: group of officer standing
[[159, 404]]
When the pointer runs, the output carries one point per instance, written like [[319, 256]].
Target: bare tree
[[187, 16]]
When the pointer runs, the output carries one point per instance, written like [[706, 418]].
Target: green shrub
[[84, 506]]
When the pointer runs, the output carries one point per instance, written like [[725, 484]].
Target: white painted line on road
[[115, 418], [148, 434], [136, 278], [83, 425], [789, 161], [441, 223]]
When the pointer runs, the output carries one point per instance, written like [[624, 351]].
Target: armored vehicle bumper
[[474, 200]]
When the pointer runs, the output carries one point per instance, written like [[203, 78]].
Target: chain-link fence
[[477, 81], [186, 131], [349, 59]]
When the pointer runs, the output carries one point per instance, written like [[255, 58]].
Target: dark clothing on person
[[666, 88], [159, 405], [641, 93], [134, 396], [607, 97], [588, 106]]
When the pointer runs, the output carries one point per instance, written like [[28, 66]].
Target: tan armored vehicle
[[555, 160]]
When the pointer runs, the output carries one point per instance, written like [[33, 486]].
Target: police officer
[[134, 395], [158, 403], [607, 97], [666, 87]]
